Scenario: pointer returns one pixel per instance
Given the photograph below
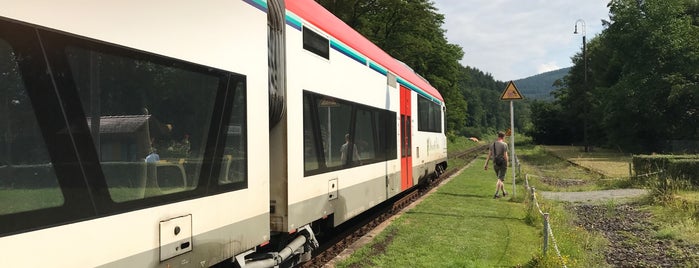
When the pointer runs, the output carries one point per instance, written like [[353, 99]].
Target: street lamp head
[[582, 22]]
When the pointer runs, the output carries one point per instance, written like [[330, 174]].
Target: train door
[[406, 161]]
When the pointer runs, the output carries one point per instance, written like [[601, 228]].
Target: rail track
[[351, 231]]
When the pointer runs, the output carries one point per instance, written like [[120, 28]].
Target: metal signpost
[[511, 93]]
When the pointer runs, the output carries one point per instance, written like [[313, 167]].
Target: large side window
[[71, 110], [150, 119], [27, 178], [340, 134]]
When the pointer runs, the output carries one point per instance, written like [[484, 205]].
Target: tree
[[411, 32], [642, 77]]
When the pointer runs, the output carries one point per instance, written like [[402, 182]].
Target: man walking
[[498, 151]]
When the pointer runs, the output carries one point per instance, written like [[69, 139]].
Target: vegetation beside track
[[460, 225], [673, 207]]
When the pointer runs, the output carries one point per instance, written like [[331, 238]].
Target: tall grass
[[664, 189]]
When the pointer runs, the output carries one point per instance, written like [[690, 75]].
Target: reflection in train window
[[429, 115], [366, 134], [27, 178], [234, 165], [339, 134], [334, 122], [149, 120], [311, 155]]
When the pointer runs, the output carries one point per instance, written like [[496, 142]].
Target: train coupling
[[297, 251]]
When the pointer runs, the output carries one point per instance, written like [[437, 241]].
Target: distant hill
[[539, 86]]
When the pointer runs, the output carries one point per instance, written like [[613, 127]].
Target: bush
[[681, 167], [684, 169], [664, 188]]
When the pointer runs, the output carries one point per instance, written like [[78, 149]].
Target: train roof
[[315, 14]]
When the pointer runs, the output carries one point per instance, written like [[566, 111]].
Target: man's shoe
[[496, 197], [504, 193]]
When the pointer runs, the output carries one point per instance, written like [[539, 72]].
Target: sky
[[513, 39]]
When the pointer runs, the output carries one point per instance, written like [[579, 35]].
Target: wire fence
[[548, 231]]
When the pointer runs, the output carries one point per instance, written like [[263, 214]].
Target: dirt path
[[593, 196]]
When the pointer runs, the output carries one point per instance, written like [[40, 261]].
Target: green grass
[[537, 161], [610, 163], [554, 173], [18, 200], [460, 144], [673, 204], [578, 247], [677, 218], [460, 225]]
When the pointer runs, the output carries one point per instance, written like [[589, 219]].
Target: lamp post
[[585, 104]]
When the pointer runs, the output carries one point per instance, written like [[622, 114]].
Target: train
[[191, 134]]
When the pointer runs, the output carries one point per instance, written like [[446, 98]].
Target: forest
[[636, 89], [640, 93]]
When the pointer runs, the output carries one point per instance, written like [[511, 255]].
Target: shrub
[[663, 188], [680, 167]]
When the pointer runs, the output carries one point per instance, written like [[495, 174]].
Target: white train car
[[175, 134], [351, 96], [185, 78]]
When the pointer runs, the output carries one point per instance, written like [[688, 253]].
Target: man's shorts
[[500, 172]]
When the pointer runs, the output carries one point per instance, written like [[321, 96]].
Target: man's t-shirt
[[499, 149]]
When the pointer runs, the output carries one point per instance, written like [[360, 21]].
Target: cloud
[[513, 39], [547, 67]]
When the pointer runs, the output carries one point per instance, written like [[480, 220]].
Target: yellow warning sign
[[511, 92]]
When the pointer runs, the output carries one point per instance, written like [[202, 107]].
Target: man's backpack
[[499, 160]]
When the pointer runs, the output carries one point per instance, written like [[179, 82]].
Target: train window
[[388, 134], [376, 135], [316, 43], [334, 119], [312, 157], [340, 134], [429, 115], [366, 134], [148, 118], [27, 178]]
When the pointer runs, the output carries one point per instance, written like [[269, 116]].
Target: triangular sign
[[511, 93]]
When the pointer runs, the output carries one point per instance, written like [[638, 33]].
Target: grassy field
[[610, 163], [459, 225], [558, 168]]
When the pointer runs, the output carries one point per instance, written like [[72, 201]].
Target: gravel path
[[593, 196], [633, 239]]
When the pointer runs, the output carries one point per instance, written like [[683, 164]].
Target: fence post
[[546, 232]]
